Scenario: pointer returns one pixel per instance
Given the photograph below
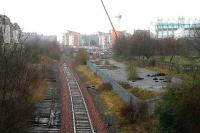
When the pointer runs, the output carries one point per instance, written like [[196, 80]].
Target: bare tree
[[17, 80], [120, 46], [194, 39], [140, 44], [170, 47]]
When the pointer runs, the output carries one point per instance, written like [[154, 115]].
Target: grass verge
[[112, 104], [91, 78], [39, 92], [140, 93]]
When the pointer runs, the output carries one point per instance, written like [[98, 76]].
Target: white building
[[178, 28], [29, 35], [51, 38], [11, 32], [105, 40]]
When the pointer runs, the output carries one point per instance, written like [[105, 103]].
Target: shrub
[[143, 93], [106, 87], [152, 62], [81, 56], [134, 112], [125, 85], [179, 111], [132, 73]]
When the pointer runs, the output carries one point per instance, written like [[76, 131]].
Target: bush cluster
[[20, 74], [105, 87], [180, 110], [81, 56], [134, 112]]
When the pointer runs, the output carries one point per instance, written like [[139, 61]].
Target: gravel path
[[66, 111]]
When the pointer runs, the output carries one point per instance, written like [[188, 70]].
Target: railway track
[[46, 118], [81, 118]]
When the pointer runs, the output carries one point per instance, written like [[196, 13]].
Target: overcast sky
[[88, 16]]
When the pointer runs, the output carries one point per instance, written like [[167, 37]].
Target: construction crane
[[109, 19], [119, 17]]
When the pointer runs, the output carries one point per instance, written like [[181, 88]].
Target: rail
[[81, 118]]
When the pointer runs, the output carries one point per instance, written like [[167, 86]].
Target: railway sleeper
[[83, 131]]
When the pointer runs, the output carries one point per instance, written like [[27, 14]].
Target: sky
[[88, 16]]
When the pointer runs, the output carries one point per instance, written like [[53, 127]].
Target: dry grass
[[112, 103], [184, 76], [143, 93], [39, 92], [146, 126], [105, 87], [109, 98], [139, 92], [47, 60], [42, 86], [93, 79]]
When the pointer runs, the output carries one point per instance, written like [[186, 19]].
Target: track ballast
[[81, 118]]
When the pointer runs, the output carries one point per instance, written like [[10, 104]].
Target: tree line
[[144, 46], [178, 112]]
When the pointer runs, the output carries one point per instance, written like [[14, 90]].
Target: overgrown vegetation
[[105, 87], [179, 111], [92, 78], [145, 47], [115, 108], [144, 94], [81, 56], [35, 50], [139, 92], [132, 72], [23, 71], [134, 112]]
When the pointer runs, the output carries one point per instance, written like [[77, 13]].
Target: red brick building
[[119, 35], [71, 39]]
